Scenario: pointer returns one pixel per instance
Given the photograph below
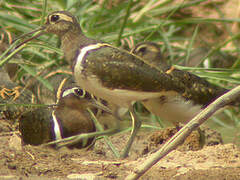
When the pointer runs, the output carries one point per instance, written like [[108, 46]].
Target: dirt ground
[[193, 160], [189, 161]]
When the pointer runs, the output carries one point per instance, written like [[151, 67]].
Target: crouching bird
[[117, 76], [67, 118]]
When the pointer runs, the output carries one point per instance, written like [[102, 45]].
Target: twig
[[181, 135], [77, 138]]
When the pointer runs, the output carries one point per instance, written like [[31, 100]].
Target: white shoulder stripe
[[56, 127], [84, 51]]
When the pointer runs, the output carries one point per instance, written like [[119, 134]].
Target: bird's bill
[[40, 30]]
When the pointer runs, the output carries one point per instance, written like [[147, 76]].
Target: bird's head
[[58, 22]]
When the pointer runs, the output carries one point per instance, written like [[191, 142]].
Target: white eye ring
[[79, 92], [54, 18]]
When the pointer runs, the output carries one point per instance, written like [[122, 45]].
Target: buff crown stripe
[[69, 91]]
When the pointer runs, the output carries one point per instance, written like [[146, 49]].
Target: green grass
[[163, 22]]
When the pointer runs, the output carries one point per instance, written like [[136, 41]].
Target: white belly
[[173, 109]]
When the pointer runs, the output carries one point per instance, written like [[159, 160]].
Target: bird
[[116, 75], [151, 52], [64, 111], [178, 108], [68, 117]]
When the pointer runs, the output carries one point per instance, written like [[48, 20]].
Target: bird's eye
[[79, 92], [54, 18], [143, 49]]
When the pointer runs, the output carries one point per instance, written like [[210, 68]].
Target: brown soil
[[189, 161]]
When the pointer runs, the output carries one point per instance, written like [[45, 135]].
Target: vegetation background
[[200, 36]]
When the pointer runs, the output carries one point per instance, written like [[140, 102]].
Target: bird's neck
[[72, 42]]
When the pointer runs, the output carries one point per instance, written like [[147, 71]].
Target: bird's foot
[[10, 92]]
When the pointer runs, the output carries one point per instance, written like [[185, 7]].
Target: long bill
[[29, 39]]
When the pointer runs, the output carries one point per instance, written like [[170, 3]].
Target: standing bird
[[116, 75], [182, 108]]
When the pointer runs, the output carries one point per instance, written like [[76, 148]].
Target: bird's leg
[[136, 124]]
